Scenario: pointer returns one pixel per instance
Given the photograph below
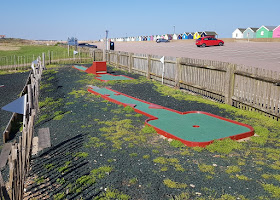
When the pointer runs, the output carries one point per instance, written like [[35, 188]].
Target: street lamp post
[[106, 46]]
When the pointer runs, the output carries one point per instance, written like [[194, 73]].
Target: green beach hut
[[265, 32]]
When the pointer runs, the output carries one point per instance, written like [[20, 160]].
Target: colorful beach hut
[[179, 37], [185, 36], [276, 32], [168, 36], [197, 35], [265, 32], [209, 33], [250, 32], [190, 36]]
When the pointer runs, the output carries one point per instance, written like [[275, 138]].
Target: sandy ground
[[8, 48], [264, 55]]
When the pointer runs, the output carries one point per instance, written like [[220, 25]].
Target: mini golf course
[[93, 135], [101, 72], [194, 128]]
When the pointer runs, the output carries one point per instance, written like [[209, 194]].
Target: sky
[[88, 19]]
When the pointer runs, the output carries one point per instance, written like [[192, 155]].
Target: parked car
[[161, 40], [87, 45], [208, 41]]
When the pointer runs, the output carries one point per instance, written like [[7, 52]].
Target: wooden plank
[[5, 154], [149, 67], [44, 138]]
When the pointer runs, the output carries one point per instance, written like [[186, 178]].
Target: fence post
[[118, 59], [178, 73], [108, 58], [43, 60], [104, 55], [50, 61], [130, 62], [93, 55], [149, 67], [229, 83]]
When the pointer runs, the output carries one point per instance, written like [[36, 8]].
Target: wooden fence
[[18, 153], [16, 62], [237, 85]]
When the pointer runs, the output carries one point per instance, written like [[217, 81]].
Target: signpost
[[72, 42]]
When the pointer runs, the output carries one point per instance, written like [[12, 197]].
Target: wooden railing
[[18, 153], [237, 85]]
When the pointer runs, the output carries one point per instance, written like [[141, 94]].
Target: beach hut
[[238, 33], [144, 38], [185, 36], [250, 32], [276, 32], [265, 32], [190, 36], [209, 33], [179, 37], [197, 35], [157, 37], [168, 36], [175, 36]]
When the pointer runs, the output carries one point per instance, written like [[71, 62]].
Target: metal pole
[[106, 40]]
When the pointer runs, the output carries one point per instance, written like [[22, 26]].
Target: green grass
[[173, 184], [272, 189], [207, 168], [166, 162], [224, 146], [232, 169], [112, 194], [133, 181], [177, 144], [28, 53], [40, 180], [81, 155], [31, 49], [65, 167], [94, 142]]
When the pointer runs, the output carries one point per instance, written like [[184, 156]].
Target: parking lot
[[256, 54]]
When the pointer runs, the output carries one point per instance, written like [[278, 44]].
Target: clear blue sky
[[88, 19]]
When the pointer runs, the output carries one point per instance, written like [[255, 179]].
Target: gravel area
[[13, 85], [103, 151]]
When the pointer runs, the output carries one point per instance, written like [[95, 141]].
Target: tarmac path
[[265, 55]]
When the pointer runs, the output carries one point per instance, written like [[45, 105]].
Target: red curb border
[[169, 135], [97, 75]]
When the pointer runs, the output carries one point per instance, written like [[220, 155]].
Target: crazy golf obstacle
[[99, 68], [193, 128]]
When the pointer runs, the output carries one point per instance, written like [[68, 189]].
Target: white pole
[[162, 73]]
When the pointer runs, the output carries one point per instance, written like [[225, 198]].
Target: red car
[[208, 41]]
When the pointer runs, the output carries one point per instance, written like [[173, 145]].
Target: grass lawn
[[25, 50], [18, 54], [103, 151]]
